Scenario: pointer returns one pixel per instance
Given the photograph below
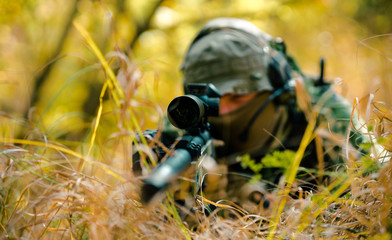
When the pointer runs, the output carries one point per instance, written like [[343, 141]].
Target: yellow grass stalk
[[67, 151], [111, 82], [94, 134], [171, 208], [113, 85], [325, 198], [224, 206], [117, 91], [307, 138]]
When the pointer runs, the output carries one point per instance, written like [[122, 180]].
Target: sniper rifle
[[188, 112]]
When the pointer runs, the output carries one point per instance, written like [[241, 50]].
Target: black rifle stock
[[187, 112]]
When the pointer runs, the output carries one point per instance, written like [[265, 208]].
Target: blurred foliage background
[[50, 76]]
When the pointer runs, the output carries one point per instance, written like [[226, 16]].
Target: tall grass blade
[[111, 83], [307, 138], [67, 151]]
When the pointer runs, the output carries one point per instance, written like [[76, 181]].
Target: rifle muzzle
[[164, 173]]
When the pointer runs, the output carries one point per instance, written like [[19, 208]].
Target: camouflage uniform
[[237, 57]]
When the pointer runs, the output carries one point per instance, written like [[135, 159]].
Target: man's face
[[231, 102], [236, 111]]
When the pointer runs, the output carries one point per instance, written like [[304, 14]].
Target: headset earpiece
[[274, 74]]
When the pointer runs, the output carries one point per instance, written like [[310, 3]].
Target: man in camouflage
[[265, 106], [266, 101]]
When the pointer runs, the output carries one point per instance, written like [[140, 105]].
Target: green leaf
[[278, 159]]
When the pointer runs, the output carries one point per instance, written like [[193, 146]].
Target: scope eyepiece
[[185, 111], [192, 109]]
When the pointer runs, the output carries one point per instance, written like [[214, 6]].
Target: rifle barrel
[[164, 173]]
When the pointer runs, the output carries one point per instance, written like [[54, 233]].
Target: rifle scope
[[190, 110]]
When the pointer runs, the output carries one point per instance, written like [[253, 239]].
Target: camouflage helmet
[[236, 56]]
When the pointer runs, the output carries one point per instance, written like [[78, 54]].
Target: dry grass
[[43, 196], [52, 191]]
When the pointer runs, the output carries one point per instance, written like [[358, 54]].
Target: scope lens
[[185, 111]]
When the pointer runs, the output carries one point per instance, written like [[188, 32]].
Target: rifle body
[[191, 148]]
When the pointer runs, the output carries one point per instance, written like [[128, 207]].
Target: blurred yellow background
[[49, 75]]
